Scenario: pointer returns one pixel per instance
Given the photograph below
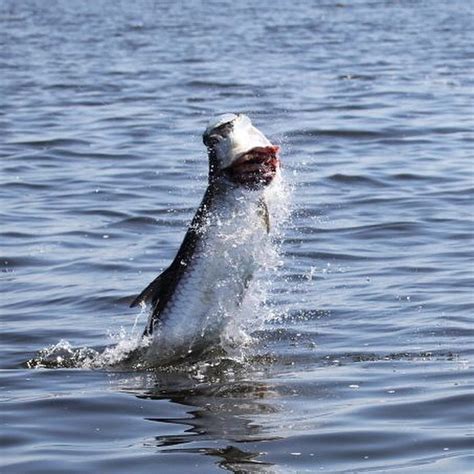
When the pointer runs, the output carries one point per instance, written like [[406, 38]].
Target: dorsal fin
[[151, 294], [161, 289]]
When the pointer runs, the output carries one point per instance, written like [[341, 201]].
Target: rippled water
[[368, 363]]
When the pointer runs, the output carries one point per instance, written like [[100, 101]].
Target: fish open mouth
[[255, 168]]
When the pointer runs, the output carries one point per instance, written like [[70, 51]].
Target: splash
[[62, 355], [128, 349], [122, 346], [238, 338]]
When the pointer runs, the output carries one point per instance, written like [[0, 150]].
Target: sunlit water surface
[[363, 359]]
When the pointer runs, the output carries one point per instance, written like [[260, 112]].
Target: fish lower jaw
[[255, 168]]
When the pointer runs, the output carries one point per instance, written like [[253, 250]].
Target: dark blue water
[[368, 363]]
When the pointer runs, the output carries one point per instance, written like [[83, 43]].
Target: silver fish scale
[[212, 286]]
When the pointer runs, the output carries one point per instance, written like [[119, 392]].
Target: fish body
[[195, 298]]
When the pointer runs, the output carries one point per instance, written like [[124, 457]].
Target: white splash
[[129, 349]]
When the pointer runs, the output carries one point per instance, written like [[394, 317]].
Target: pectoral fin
[[265, 215]]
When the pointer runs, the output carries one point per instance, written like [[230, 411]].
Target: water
[[367, 365]]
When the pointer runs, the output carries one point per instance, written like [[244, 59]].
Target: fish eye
[[224, 128], [213, 136], [210, 140]]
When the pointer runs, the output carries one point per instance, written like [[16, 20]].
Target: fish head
[[240, 152]]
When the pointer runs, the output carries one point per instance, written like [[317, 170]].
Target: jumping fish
[[193, 300]]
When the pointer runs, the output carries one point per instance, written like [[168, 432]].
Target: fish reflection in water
[[223, 412]]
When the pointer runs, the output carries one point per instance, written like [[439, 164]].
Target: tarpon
[[194, 298]]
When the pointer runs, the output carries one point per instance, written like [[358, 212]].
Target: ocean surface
[[362, 360]]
